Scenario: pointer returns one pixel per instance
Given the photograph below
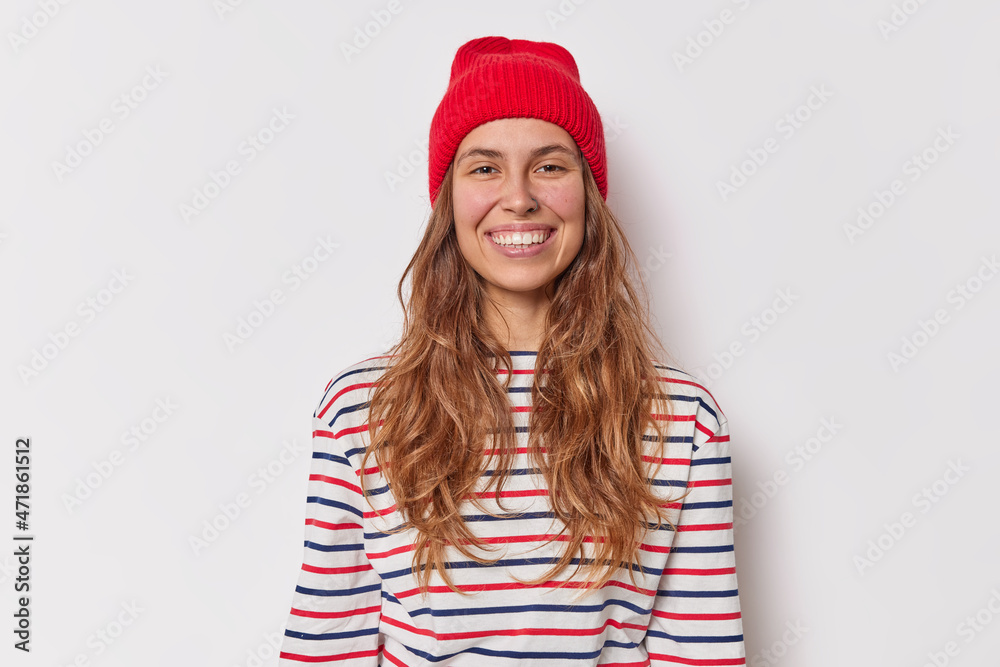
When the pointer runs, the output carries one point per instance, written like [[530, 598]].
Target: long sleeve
[[696, 616], [336, 604]]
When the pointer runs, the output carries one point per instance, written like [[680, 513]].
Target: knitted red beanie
[[496, 77]]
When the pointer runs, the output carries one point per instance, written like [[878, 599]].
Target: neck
[[517, 319]]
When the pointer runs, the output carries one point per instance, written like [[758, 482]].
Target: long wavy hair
[[439, 417]]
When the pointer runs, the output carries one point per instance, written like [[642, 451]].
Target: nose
[[518, 199]]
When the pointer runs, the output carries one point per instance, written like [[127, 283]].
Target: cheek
[[469, 214], [571, 206]]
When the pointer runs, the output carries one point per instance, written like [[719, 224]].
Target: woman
[[518, 482]]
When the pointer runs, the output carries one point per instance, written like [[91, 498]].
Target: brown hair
[[439, 403]]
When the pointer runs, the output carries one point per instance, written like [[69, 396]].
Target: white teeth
[[519, 239]]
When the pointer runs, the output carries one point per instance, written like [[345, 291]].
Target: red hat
[[496, 77]]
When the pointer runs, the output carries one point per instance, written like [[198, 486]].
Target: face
[[519, 205]]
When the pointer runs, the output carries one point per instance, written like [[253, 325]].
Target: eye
[[479, 170], [551, 168]]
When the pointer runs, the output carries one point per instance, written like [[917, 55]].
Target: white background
[[674, 130]]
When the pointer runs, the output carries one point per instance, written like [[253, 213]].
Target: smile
[[524, 244], [519, 239]]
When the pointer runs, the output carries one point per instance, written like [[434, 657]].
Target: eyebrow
[[494, 154]]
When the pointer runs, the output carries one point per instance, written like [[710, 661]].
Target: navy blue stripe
[[333, 385], [347, 410], [670, 438], [521, 655], [667, 482], [713, 461], [707, 505], [699, 400], [558, 608], [514, 562], [514, 471], [331, 457], [378, 491], [697, 594], [338, 592], [478, 517], [683, 639], [333, 635], [550, 515], [508, 517], [702, 550], [336, 503], [334, 547]]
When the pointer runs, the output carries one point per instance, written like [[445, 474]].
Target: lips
[[521, 249], [519, 238]]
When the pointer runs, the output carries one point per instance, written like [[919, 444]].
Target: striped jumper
[[357, 603]]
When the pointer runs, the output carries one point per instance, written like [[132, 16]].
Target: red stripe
[[375, 555], [504, 539], [669, 462], [329, 658], [693, 384], [393, 659], [336, 614], [706, 526], [352, 387], [515, 539], [678, 660], [336, 482], [696, 617], [700, 572], [514, 632], [674, 418], [349, 431], [388, 510], [704, 429], [654, 550], [473, 588], [337, 570], [527, 493], [718, 438], [331, 526], [519, 450], [711, 482]]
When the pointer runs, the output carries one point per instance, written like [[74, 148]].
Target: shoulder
[[693, 407], [349, 389]]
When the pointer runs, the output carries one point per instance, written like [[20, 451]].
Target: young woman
[[519, 481]]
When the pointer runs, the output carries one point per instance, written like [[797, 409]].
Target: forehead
[[516, 135]]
